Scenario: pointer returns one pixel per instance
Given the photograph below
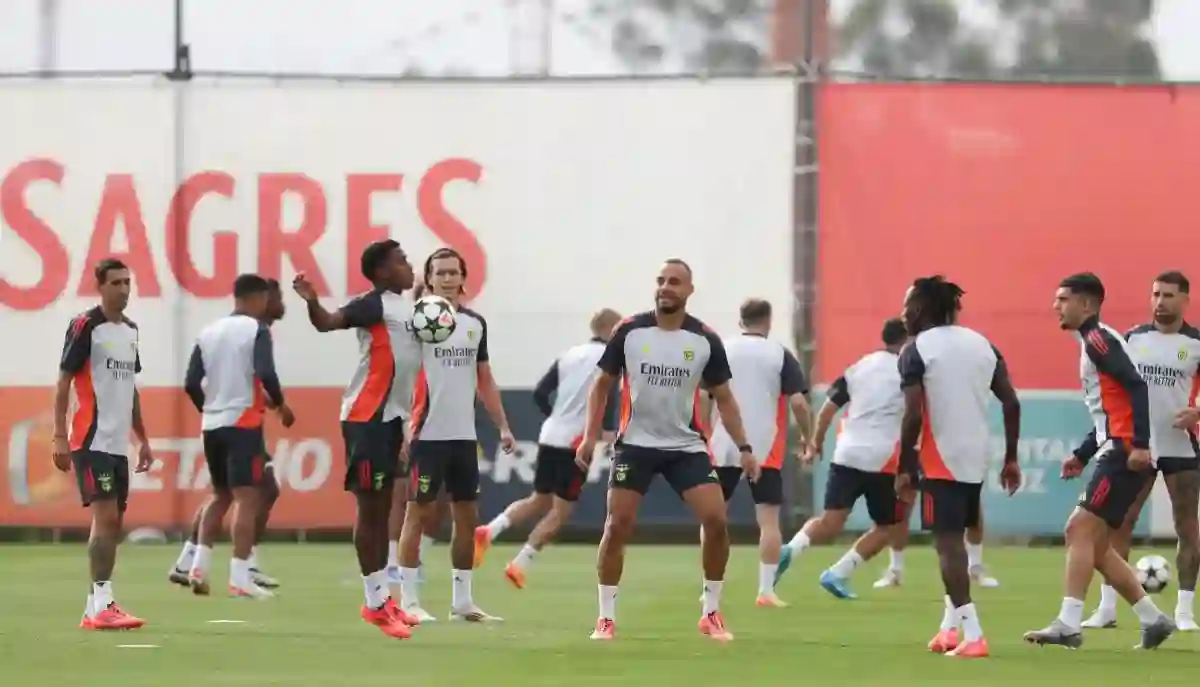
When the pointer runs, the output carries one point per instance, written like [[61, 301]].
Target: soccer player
[[99, 362], [179, 573], [665, 356], [557, 479], [947, 372], [1119, 404], [444, 446], [374, 410], [767, 381], [864, 460], [1167, 354]]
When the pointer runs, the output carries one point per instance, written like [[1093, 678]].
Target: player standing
[[665, 356], [100, 361], [444, 446], [557, 479], [1118, 401], [766, 382], [374, 409], [947, 372], [864, 460]]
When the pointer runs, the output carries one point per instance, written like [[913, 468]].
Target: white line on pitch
[[138, 646], [226, 622]]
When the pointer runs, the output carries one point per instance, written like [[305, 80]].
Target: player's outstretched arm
[[545, 389], [363, 311], [1010, 405], [794, 385]]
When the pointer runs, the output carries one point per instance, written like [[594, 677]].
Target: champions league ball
[[433, 319], [1154, 573]]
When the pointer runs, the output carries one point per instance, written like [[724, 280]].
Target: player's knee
[[619, 524], [714, 520], [106, 516], [1082, 526], [1187, 528]]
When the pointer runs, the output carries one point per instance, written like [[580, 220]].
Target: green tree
[[718, 36], [1091, 39], [910, 38]]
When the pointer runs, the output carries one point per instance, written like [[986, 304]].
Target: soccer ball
[[1154, 573], [433, 319]]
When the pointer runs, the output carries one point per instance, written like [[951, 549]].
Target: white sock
[[253, 559], [974, 555], [201, 562], [102, 596], [393, 554], [184, 562], [426, 542], [799, 543], [1071, 613], [408, 588], [373, 591], [1146, 611], [970, 622], [87, 607], [239, 573], [497, 526], [949, 617], [1183, 606], [712, 597], [461, 590], [766, 577], [897, 556], [524, 557], [846, 564], [608, 602], [1108, 599]]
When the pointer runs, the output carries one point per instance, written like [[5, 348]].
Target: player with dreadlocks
[[947, 373]]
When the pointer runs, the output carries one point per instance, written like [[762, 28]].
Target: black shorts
[[450, 465], [102, 477], [1170, 466], [634, 468], [1113, 487], [236, 456], [372, 454], [846, 485], [767, 491], [948, 506], [556, 473]]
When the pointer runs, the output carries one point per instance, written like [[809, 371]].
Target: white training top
[[446, 384], [570, 380], [102, 358], [1170, 364], [869, 435]]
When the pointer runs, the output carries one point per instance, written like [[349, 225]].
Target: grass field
[[311, 633]]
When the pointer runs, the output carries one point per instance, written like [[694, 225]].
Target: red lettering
[[274, 242], [34, 231], [119, 202], [432, 208], [360, 232], [225, 243]]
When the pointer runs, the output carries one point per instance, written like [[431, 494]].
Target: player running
[[99, 362], [179, 573], [1117, 398], [1167, 354], [766, 382], [864, 460], [947, 372], [665, 356], [374, 410], [557, 479], [444, 445]]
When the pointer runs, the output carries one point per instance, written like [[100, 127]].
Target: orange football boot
[[387, 623], [713, 625]]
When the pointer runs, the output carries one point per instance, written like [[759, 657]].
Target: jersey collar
[[1089, 324], [754, 334]]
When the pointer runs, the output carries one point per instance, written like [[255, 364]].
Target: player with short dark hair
[[557, 480], [444, 443], [1119, 403], [864, 460], [665, 356], [767, 382], [375, 407], [99, 363], [948, 372]]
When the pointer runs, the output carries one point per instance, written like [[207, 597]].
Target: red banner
[[1005, 189]]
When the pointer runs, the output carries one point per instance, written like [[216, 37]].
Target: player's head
[[252, 295], [1078, 298], [275, 306], [674, 287], [931, 302], [894, 334], [604, 322], [755, 316], [446, 273], [386, 266], [1169, 297], [114, 283]]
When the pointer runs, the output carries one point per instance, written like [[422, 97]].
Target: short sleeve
[[612, 361], [77, 344], [912, 367], [716, 370], [137, 347], [839, 392], [364, 311], [137, 362], [791, 377], [482, 355]]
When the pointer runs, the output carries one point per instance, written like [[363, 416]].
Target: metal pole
[[180, 74], [48, 14]]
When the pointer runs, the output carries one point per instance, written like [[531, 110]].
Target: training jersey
[[765, 376], [389, 356], [102, 358], [443, 400], [569, 380], [1170, 366], [956, 366], [231, 374], [662, 370], [869, 434], [1113, 390]]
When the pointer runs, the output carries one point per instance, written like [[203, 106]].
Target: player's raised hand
[[584, 454], [1139, 460], [507, 442], [62, 454], [304, 288], [1010, 477], [750, 466], [1072, 467], [145, 459]]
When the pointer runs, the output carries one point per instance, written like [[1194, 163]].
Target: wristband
[[746, 448]]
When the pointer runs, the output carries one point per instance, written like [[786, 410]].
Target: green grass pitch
[[311, 633]]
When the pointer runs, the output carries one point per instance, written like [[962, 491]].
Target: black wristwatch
[[746, 448]]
